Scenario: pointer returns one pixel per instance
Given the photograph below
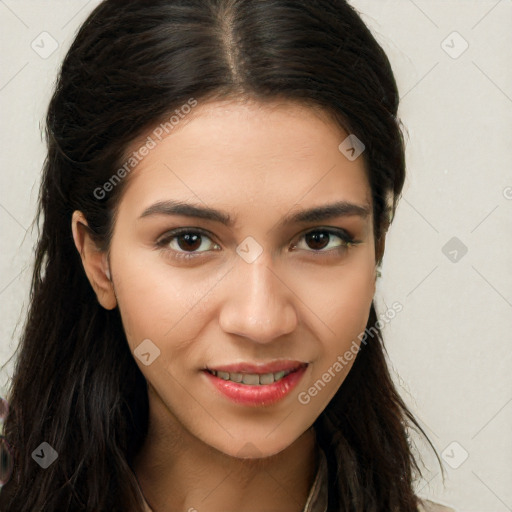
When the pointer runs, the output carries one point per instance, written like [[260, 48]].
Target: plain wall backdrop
[[448, 253]]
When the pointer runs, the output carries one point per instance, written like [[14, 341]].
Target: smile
[[252, 379], [256, 389]]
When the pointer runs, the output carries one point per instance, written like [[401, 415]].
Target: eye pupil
[[191, 241], [320, 239]]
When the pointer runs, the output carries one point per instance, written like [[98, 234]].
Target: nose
[[259, 304]]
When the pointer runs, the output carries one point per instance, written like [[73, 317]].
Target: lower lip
[[266, 394]]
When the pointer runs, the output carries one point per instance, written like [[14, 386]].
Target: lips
[[256, 385]]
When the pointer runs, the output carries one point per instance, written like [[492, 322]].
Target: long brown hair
[[132, 64]]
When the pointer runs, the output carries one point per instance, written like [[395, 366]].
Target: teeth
[[251, 379], [268, 378], [235, 377], [278, 375]]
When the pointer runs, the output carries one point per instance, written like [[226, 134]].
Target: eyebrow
[[315, 214]]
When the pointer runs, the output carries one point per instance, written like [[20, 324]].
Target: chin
[[253, 447]]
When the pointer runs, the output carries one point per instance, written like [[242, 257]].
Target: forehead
[[241, 154]]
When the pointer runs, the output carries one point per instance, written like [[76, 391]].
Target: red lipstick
[[256, 384]]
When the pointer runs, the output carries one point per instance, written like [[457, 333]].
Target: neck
[[174, 467]]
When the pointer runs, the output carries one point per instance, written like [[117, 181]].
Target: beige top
[[317, 498]]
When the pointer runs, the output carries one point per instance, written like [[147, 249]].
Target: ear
[[95, 262]]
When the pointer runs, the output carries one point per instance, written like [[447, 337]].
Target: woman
[[220, 178]]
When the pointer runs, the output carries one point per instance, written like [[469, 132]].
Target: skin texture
[[258, 162]]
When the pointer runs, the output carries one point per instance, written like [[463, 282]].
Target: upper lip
[[272, 367]]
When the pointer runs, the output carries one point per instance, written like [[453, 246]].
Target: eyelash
[[162, 243]]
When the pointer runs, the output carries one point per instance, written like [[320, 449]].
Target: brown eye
[[317, 240], [185, 243], [189, 242], [324, 240]]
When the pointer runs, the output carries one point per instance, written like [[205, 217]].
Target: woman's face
[[273, 286]]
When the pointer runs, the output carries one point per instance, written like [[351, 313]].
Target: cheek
[[350, 314], [342, 302], [339, 298], [158, 301], [348, 319]]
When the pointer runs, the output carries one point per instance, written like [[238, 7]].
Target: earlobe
[[94, 261]]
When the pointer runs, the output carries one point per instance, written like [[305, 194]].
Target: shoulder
[[430, 506]]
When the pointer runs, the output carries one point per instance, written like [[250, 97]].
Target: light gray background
[[450, 347]]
